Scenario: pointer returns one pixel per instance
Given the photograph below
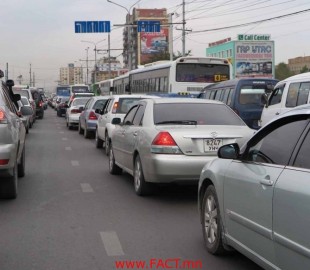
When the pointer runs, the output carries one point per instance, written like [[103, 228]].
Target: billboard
[[153, 43], [254, 59]]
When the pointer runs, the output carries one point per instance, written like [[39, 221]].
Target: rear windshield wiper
[[178, 122]]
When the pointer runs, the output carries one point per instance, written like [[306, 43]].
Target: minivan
[[287, 94], [244, 95]]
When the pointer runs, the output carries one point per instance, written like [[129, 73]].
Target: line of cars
[[253, 191]]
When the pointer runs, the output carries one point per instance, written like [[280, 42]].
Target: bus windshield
[[80, 89], [205, 73], [63, 91]]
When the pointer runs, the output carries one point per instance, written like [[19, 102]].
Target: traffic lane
[[163, 226], [62, 226]]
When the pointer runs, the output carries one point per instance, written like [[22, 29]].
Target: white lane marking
[[64, 139], [75, 163], [111, 243], [86, 187], [68, 148], [61, 132]]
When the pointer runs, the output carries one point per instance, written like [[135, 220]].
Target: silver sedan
[[256, 199], [170, 139]]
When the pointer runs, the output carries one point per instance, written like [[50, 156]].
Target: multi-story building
[[298, 63], [140, 47], [108, 68], [251, 55], [71, 75]]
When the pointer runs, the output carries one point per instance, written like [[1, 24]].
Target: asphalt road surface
[[72, 214]]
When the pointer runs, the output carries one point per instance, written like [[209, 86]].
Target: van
[[244, 95], [287, 94]]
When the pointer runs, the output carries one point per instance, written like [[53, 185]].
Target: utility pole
[[109, 56], [183, 29], [30, 81], [7, 72], [34, 80], [171, 37], [87, 65]]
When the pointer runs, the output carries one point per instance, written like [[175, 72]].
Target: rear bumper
[[7, 151], [160, 168]]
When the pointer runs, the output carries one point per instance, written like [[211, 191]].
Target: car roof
[[133, 96], [185, 100]]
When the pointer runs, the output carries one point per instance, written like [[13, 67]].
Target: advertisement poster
[[153, 43], [254, 59]]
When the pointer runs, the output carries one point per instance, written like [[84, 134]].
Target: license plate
[[212, 145]]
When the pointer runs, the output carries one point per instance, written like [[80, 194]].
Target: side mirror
[[229, 151], [10, 83], [26, 110], [116, 121], [16, 97], [81, 108], [98, 111]]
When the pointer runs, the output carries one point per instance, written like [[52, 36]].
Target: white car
[[116, 106], [74, 110]]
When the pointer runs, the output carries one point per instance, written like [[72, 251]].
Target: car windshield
[[24, 100], [79, 102], [195, 114], [124, 104]]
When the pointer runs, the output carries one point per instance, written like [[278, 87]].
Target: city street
[[72, 214]]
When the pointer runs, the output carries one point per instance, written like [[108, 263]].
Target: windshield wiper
[[179, 122]]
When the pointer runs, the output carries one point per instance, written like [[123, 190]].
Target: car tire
[[9, 186], [211, 222], [99, 142], [27, 129], [21, 165], [86, 133], [142, 187], [107, 144], [80, 129], [113, 168]]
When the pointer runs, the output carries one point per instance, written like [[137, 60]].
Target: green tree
[[304, 69], [282, 71]]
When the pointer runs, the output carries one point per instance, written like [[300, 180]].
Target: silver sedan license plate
[[212, 145]]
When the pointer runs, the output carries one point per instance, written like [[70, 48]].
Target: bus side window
[[207, 94], [218, 94], [229, 98], [212, 95], [225, 95]]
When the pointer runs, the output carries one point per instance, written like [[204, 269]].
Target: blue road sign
[[92, 27], [148, 26]]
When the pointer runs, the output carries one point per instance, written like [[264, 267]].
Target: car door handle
[[277, 113], [135, 134], [266, 181]]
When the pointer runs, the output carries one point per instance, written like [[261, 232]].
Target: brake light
[[115, 106], [165, 144], [92, 116], [4, 161], [75, 111], [40, 104], [3, 119]]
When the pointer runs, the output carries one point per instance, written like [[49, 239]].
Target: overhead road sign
[[92, 26], [149, 26]]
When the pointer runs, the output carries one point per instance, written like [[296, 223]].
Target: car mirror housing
[[116, 121], [229, 151]]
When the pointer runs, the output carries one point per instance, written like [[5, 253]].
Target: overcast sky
[[41, 32]]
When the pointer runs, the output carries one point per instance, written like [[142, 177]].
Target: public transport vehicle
[[63, 90], [244, 95], [79, 88], [120, 83], [186, 74], [105, 87]]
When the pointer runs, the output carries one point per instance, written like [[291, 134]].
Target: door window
[[128, 120], [276, 95], [303, 158], [139, 115], [277, 146]]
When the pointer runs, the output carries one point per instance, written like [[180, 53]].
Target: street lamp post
[[95, 49], [129, 50], [87, 65]]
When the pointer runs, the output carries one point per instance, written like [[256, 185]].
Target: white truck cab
[[287, 94]]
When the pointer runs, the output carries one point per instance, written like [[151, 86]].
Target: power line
[[246, 24]]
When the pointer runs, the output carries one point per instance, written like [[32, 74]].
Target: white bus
[[120, 83], [79, 88], [184, 75], [105, 87]]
